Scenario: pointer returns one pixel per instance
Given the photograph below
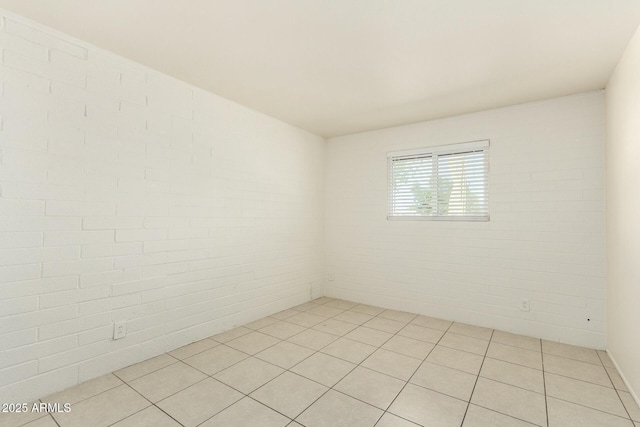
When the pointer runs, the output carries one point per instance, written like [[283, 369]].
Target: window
[[440, 183]]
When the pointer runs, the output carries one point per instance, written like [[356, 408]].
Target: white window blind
[[448, 182]]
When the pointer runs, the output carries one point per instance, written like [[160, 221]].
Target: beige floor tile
[[367, 309], [400, 316], [322, 300], [253, 343], [306, 319], [231, 334], [351, 351], [285, 314], [582, 354], [508, 392], [322, 368], [566, 414], [478, 416], [261, 323], [528, 343], [392, 363], [408, 346], [149, 417], [428, 408], [193, 348], [353, 317], [342, 304], [46, 421], [369, 336], [199, 402], [313, 339], [616, 379], [512, 374], [282, 330], [325, 311], [390, 420], [248, 375], [421, 333], [519, 356], [445, 380], [630, 405], [371, 387], [289, 393], [167, 381], [247, 412], [335, 327], [464, 343], [471, 331], [516, 402], [104, 409], [335, 409], [605, 359], [16, 419], [575, 369], [145, 367], [285, 354], [84, 390], [386, 325], [216, 359], [456, 359], [306, 306], [432, 322], [583, 393]]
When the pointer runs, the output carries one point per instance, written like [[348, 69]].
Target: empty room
[[319, 213]]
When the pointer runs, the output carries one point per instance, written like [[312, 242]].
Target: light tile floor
[[337, 363]]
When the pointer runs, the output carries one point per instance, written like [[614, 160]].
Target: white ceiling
[[335, 67]]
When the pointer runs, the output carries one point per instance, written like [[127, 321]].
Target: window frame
[[435, 151]]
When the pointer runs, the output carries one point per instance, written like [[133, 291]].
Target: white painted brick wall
[[545, 240], [128, 195]]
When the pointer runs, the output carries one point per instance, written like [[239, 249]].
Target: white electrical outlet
[[524, 304], [119, 330], [331, 277]]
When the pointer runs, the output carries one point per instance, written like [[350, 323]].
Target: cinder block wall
[[126, 195], [545, 240]]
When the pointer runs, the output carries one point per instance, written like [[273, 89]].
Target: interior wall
[[544, 242], [623, 215], [129, 196]]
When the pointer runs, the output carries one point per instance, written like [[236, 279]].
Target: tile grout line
[[384, 411], [206, 374], [505, 415], [281, 340], [344, 376], [414, 372], [593, 409], [544, 384], [617, 393], [282, 373], [151, 404], [320, 351], [54, 420], [366, 358], [477, 378], [150, 372]]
